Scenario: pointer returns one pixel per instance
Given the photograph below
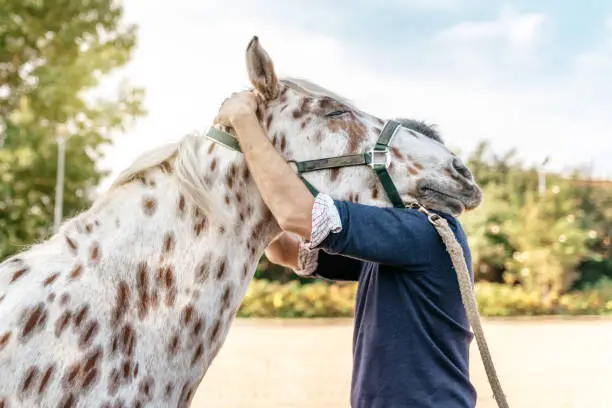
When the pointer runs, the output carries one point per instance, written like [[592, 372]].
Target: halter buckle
[[379, 158]]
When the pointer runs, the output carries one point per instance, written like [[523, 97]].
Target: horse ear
[[261, 70]]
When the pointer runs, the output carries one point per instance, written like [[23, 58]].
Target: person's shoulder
[[451, 219], [456, 225]]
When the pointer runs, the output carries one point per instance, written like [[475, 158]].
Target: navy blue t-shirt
[[411, 337]]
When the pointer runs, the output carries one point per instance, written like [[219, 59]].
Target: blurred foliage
[[319, 299], [291, 299], [51, 54], [496, 299], [544, 243]]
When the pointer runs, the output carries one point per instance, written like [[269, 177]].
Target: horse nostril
[[461, 168]]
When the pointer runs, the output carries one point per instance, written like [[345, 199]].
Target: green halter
[[378, 158]]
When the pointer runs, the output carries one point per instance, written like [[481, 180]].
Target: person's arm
[[284, 251], [289, 251], [280, 187], [392, 236]]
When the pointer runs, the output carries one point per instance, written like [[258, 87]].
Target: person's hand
[[238, 107]]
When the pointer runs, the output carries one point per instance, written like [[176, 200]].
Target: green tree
[[52, 53], [549, 240], [542, 243], [490, 243], [595, 198]]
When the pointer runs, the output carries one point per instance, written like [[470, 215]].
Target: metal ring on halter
[[432, 217], [376, 154]]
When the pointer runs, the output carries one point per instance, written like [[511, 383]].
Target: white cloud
[[515, 29], [189, 65], [430, 4], [599, 57]]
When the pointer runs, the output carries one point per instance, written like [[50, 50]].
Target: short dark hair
[[419, 126]]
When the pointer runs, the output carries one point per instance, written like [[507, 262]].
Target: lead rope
[[468, 298]]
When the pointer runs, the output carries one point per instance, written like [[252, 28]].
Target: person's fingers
[[237, 103], [221, 119]]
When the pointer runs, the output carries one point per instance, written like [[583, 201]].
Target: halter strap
[[224, 138], [387, 134], [382, 146], [378, 158]]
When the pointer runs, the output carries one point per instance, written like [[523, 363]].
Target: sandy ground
[[542, 363]]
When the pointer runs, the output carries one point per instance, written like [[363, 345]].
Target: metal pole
[[542, 177], [59, 186], [541, 182]]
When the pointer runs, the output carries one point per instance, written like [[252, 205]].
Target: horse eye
[[336, 114]]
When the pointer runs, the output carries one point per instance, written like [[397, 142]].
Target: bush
[[322, 299], [504, 300], [292, 299], [593, 270]]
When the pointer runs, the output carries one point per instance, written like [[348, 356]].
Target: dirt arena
[[542, 363]]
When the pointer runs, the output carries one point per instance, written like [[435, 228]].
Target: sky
[[524, 75]]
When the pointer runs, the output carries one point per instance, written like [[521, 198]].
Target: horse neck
[[141, 288], [184, 268], [151, 220]]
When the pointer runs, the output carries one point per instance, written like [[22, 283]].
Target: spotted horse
[[128, 304]]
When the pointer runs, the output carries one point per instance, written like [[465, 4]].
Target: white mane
[[186, 163], [186, 169]]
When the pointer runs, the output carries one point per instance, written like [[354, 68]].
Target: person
[[411, 336]]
